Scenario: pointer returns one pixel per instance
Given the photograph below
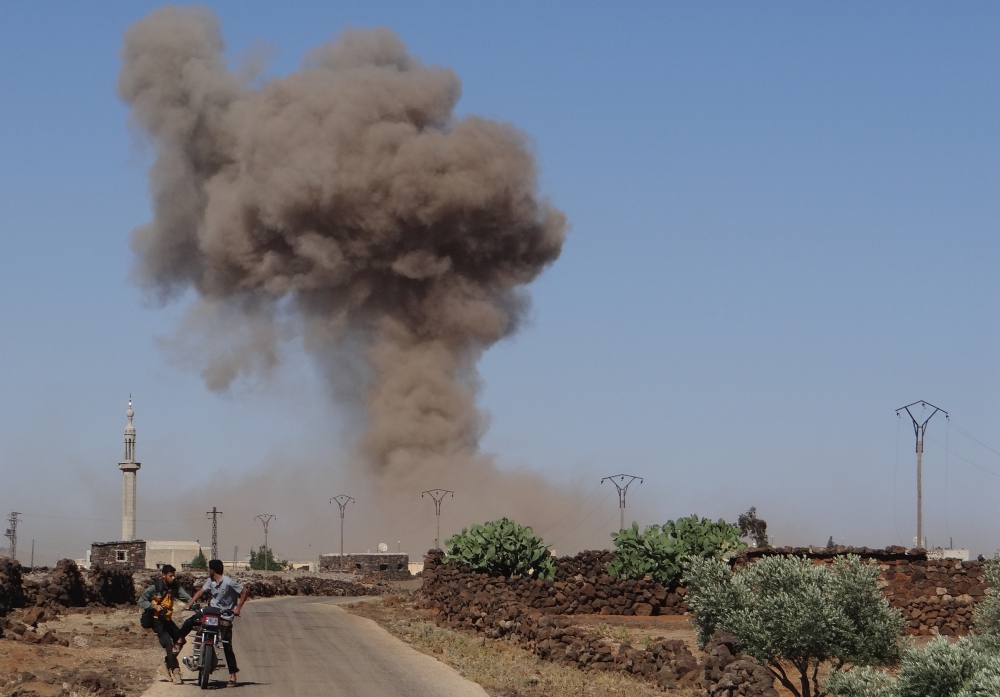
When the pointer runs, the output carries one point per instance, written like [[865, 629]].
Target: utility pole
[[236, 555], [11, 534], [438, 496], [919, 429], [342, 501], [622, 487], [266, 519], [32, 554], [215, 530]]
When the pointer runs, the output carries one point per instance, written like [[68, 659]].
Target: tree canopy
[[787, 610]]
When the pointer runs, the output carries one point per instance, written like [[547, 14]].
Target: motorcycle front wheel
[[208, 663]]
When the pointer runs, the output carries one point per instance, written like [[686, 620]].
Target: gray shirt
[[225, 594]]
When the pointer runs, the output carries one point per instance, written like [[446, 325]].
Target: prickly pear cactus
[[660, 551], [501, 548]]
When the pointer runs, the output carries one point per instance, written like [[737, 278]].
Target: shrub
[[661, 551], [786, 610], [988, 610], [968, 668], [199, 561], [263, 560], [501, 548]]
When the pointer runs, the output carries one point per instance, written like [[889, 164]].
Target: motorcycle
[[207, 645]]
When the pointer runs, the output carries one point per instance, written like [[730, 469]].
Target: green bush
[[199, 562], [792, 615], [501, 548], [988, 610], [661, 551], [968, 668], [263, 560]]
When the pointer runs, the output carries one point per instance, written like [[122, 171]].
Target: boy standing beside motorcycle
[[228, 596], [157, 603]]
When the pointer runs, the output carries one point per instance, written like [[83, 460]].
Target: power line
[[973, 438], [552, 526], [960, 457]]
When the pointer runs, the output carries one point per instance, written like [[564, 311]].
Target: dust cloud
[[345, 204]]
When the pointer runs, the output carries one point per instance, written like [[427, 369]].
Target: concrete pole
[[622, 487], [920, 493], [919, 430], [437, 495], [342, 500]]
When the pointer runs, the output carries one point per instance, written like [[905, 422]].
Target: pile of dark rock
[[63, 587], [729, 673], [265, 586], [11, 592], [22, 625]]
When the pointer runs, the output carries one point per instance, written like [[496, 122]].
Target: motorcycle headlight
[[211, 620]]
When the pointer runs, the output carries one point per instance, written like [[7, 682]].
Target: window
[[121, 555], [383, 567], [358, 566]]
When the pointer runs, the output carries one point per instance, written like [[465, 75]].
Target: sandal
[[231, 683]]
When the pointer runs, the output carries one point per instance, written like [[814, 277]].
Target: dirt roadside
[[506, 670], [84, 651]]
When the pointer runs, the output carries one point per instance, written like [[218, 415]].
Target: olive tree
[[969, 667], [794, 616], [988, 610]]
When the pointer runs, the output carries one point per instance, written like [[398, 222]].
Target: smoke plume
[[348, 203]]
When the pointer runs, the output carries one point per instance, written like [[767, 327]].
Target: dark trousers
[[225, 633], [167, 633]]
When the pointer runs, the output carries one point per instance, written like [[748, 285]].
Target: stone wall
[[130, 555], [937, 596], [523, 612], [581, 587], [384, 564]]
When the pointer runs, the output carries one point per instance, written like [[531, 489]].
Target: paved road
[[309, 646]]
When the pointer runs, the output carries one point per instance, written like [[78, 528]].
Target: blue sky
[[784, 226]]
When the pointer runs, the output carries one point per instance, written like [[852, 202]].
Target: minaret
[[129, 467]]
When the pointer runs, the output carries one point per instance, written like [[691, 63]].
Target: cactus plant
[[660, 551], [501, 548]]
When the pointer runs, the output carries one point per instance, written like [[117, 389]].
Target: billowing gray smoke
[[347, 201]]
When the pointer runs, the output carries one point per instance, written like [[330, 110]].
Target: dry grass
[[502, 668]]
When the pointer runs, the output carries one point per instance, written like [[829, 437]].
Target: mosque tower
[[129, 467]]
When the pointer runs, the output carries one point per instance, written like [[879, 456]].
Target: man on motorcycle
[[157, 603], [228, 596]]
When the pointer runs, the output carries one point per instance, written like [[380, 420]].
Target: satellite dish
[[383, 547]]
